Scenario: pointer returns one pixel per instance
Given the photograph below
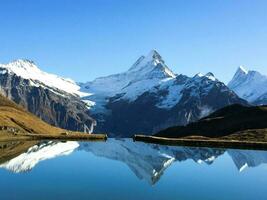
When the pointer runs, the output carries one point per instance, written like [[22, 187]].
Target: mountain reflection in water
[[146, 161]]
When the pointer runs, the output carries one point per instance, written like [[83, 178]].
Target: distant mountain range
[[250, 85], [149, 97], [145, 99], [147, 161]]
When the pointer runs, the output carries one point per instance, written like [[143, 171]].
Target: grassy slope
[[232, 122], [31, 127], [12, 115]]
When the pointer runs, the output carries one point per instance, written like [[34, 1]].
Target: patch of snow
[[205, 111], [249, 85], [28, 70], [3, 71], [174, 94], [147, 72], [242, 69], [210, 76], [243, 167], [89, 104]]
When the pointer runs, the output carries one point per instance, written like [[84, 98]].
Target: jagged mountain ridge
[[150, 97], [54, 99], [145, 99], [250, 85], [27, 69], [144, 74]]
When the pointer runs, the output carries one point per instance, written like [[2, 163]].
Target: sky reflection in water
[[122, 169]]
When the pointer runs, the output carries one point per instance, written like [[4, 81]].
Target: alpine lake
[[122, 169]]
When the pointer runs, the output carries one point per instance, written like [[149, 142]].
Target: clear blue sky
[[91, 38]]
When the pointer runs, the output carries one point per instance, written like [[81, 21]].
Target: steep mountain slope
[[149, 97], [145, 73], [250, 85], [15, 118], [27, 69], [224, 122], [145, 99], [53, 99]]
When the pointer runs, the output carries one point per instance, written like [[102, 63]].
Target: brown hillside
[[14, 116]]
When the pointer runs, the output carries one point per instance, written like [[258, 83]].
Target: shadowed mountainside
[[232, 119]]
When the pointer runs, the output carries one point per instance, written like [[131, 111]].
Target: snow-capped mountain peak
[[152, 62], [147, 72], [23, 63], [154, 56], [241, 70], [28, 70], [240, 74], [210, 76], [250, 85], [198, 75]]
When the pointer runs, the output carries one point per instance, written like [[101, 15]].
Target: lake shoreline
[[212, 143], [69, 137]]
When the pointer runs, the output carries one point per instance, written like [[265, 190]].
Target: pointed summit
[[241, 70], [239, 77], [154, 55], [250, 85], [151, 63], [23, 63], [210, 76]]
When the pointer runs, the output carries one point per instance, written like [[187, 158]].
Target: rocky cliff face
[[54, 106]]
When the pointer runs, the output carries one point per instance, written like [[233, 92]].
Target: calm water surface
[[122, 169]]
